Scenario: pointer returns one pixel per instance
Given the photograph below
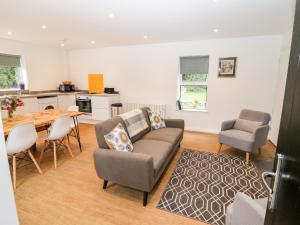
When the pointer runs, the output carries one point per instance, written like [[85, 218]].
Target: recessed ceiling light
[[93, 42], [9, 33], [44, 27], [62, 45], [145, 37], [111, 15], [216, 30]]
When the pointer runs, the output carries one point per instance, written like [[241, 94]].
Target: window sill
[[194, 110]]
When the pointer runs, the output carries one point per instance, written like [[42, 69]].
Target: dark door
[[284, 205]]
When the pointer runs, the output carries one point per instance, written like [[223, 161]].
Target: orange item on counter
[[96, 84]]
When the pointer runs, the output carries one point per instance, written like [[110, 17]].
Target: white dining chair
[[56, 137], [20, 139]]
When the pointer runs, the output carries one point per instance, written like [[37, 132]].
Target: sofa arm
[[227, 125], [261, 135], [130, 169], [175, 123]]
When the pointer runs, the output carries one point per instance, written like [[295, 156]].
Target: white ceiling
[[83, 21]]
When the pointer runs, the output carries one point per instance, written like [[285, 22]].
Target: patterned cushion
[[118, 139], [156, 120]]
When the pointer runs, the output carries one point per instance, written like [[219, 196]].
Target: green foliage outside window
[[8, 77], [193, 91]]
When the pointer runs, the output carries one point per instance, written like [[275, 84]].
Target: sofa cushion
[[105, 127], [238, 139], [246, 125], [156, 120], [159, 150], [170, 135], [118, 139]]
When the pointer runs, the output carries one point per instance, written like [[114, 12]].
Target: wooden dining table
[[42, 120]]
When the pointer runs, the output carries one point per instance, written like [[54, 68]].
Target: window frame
[[22, 74], [181, 83]]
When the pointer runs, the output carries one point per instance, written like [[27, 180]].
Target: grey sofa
[[246, 211], [142, 168], [244, 139]]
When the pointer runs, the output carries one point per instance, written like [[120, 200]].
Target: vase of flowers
[[10, 104]]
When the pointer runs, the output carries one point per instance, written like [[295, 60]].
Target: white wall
[[44, 65], [280, 87], [8, 212], [148, 74]]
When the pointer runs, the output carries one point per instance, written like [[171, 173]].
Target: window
[[11, 76], [192, 89]]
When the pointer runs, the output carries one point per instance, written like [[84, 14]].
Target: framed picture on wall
[[227, 67]]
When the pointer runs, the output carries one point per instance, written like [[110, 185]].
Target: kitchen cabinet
[[101, 106], [64, 101]]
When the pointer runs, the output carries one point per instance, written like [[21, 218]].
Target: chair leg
[[69, 149], [247, 157], [54, 154], [145, 199], [105, 184], [14, 172], [42, 153], [68, 136], [220, 147], [34, 161]]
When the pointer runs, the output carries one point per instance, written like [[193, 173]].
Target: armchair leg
[[247, 157], [259, 151], [105, 184], [220, 147], [145, 200]]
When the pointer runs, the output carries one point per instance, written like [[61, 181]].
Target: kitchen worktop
[[52, 93]]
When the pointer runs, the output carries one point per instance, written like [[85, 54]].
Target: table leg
[[77, 133]]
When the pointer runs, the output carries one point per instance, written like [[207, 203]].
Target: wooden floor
[[72, 194]]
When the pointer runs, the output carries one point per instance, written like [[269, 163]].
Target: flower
[[11, 103]]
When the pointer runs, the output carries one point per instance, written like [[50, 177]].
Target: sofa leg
[[220, 147], [105, 184], [145, 198]]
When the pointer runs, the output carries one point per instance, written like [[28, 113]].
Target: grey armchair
[[247, 133], [246, 211]]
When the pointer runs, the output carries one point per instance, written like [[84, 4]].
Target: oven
[[84, 103]]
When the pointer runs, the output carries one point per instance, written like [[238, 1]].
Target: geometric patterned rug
[[203, 185]]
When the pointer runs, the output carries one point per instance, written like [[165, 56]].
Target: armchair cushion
[[158, 150], [170, 135], [246, 125], [237, 139]]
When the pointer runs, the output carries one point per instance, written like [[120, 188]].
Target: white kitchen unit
[[101, 107], [64, 101]]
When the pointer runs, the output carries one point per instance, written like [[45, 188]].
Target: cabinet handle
[[298, 61]]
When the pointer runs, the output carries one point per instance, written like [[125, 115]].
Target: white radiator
[[161, 109]]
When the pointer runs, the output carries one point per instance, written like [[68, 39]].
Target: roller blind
[[194, 65], [10, 60]]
